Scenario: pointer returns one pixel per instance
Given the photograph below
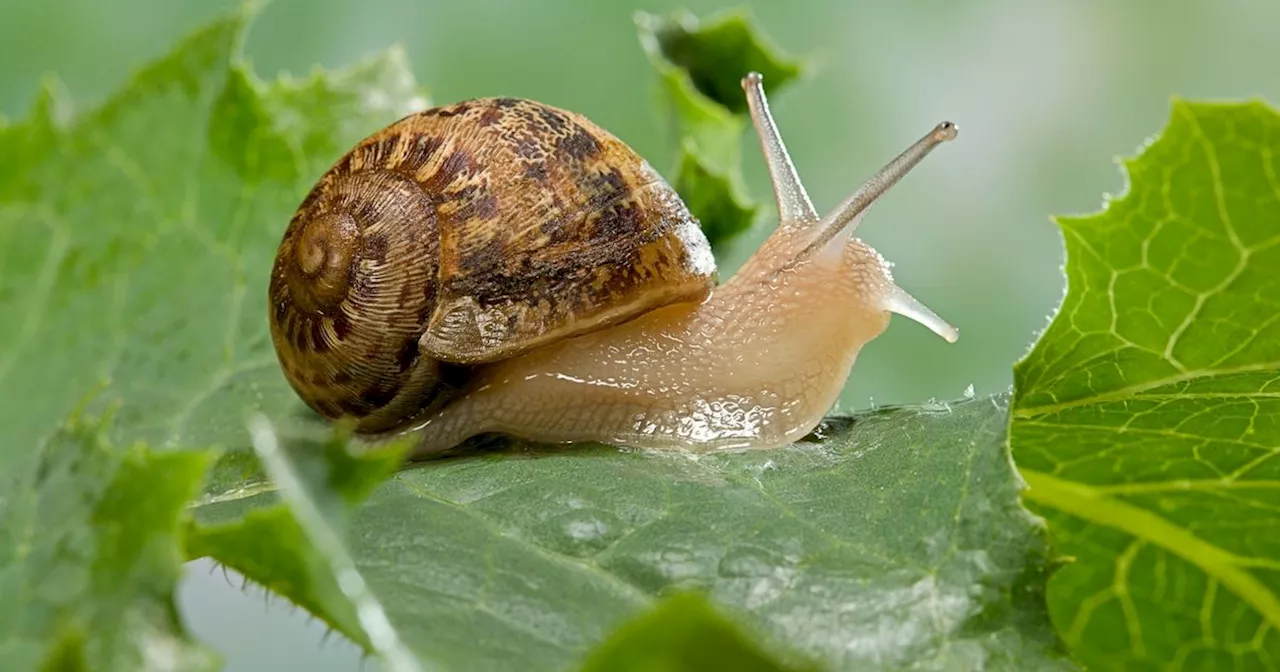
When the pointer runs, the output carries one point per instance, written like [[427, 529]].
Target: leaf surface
[[895, 539], [90, 556], [1145, 418]]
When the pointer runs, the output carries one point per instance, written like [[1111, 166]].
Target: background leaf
[[700, 64], [90, 556], [1145, 418], [135, 241]]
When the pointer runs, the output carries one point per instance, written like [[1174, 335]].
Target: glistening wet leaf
[[895, 541]]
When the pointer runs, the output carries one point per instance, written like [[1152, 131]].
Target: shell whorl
[[354, 282], [322, 254]]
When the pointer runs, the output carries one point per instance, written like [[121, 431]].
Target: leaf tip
[[249, 10], [707, 56]]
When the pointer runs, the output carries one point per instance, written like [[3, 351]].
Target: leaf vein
[[1140, 388], [1085, 502]]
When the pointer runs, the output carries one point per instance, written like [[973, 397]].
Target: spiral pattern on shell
[[353, 283], [466, 234]]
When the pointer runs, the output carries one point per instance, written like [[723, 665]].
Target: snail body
[[523, 272]]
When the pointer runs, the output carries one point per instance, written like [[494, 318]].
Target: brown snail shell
[[467, 234]]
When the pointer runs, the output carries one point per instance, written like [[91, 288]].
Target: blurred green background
[[1047, 95]]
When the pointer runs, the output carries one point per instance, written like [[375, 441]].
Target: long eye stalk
[[847, 215], [794, 206]]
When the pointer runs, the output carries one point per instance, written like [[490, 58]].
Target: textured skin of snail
[[466, 234]]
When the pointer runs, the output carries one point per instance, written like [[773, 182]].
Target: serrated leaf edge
[[332, 549]]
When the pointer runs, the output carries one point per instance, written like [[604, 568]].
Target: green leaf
[[1144, 418], [701, 64], [90, 555], [682, 633], [896, 539], [715, 201]]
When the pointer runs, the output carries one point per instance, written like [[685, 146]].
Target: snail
[[501, 266]]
